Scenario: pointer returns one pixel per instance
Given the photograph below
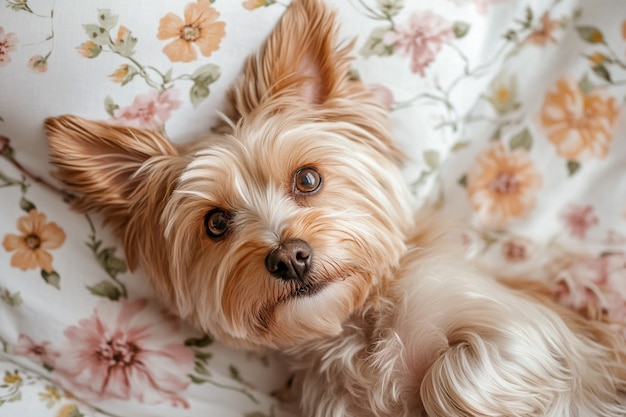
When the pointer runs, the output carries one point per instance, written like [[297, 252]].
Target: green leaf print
[[105, 289], [199, 342], [460, 29], [590, 34], [390, 8], [522, 140], [12, 299], [602, 72], [202, 78], [374, 45], [26, 205], [573, 167], [106, 19], [110, 106], [432, 159], [52, 278], [97, 34]]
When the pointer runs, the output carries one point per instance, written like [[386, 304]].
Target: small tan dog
[[293, 230]]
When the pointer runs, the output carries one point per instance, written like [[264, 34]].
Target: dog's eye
[[307, 180], [216, 223]]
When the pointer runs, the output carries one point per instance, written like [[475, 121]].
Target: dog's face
[[275, 231], [281, 229]]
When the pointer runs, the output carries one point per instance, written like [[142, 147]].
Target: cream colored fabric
[[511, 112]]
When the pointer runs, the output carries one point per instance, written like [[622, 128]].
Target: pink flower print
[[481, 5], [38, 63], [421, 38], [517, 250], [578, 297], [545, 34], [615, 237], [579, 219], [382, 94], [597, 283], [578, 283], [38, 352], [125, 351], [148, 111], [617, 318], [8, 43], [614, 273], [611, 271]]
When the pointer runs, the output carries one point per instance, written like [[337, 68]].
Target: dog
[[293, 229]]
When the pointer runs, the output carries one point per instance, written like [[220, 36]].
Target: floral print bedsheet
[[511, 113]]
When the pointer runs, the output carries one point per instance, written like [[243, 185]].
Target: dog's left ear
[[300, 59]]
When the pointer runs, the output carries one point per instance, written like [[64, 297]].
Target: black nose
[[291, 260]]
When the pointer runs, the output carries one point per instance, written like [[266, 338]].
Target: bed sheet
[[511, 113]]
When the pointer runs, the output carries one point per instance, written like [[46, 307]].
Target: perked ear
[[114, 170], [300, 59]]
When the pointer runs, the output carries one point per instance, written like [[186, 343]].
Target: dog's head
[[275, 231]]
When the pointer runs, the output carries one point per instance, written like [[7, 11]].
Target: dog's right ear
[[111, 169], [304, 64], [301, 58]]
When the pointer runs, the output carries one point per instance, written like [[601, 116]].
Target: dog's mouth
[[306, 290], [309, 289]]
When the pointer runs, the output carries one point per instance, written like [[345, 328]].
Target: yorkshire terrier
[[293, 229]]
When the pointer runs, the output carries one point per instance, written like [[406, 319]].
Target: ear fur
[[303, 66], [121, 172], [299, 59]]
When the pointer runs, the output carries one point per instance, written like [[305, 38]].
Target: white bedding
[[511, 112]]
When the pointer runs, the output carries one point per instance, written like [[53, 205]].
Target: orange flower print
[[12, 378], [32, 245], [122, 33], [89, 49], [597, 58], [199, 28], [123, 74], [69, 410], [579, 125], [253, 4], [545, 34], [502, 185]]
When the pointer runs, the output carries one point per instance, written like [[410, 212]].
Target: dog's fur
[[387, 319]]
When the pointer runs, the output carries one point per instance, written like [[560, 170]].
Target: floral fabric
[[511, 112]]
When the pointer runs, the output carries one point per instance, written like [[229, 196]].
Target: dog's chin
[[313, 311]]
